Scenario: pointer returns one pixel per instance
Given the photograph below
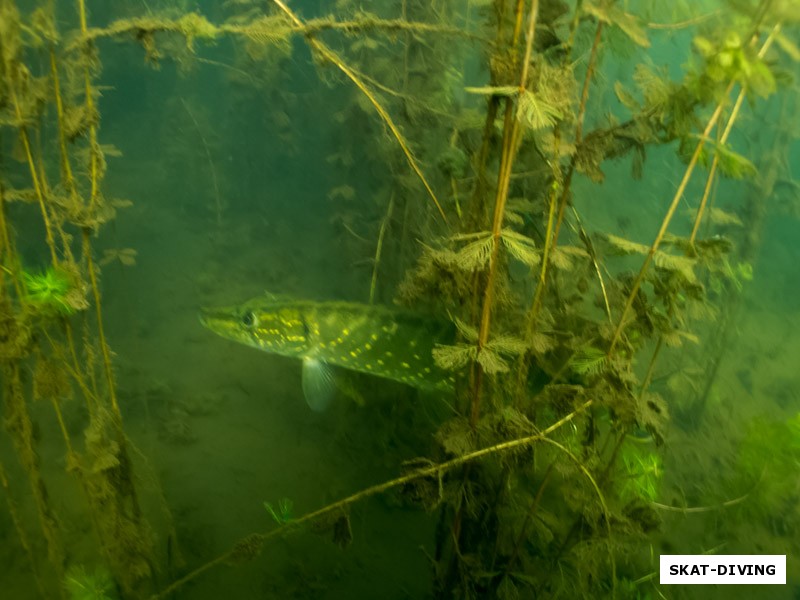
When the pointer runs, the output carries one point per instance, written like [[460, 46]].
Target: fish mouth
[[213, 318]]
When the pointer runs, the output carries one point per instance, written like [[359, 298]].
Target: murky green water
[[621, 391]]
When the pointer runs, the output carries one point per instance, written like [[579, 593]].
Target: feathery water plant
[[50, 292], [642, 474], [81, 584], [281, 514]]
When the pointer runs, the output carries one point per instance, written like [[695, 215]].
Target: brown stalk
[[511, 136], [94, 169], [681, 189], [334, 58]]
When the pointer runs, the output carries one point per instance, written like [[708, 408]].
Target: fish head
[[264, 323]]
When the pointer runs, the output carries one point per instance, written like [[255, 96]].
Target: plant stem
[[334, 58], [511, 137], [679, 194], [435, 469]]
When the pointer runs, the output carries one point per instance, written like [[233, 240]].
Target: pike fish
[[370, 339]]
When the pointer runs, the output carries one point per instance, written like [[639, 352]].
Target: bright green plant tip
[[281, 514], [81, 584], [642, 473], [48, 291]]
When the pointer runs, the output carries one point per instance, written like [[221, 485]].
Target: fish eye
[[248, 319]]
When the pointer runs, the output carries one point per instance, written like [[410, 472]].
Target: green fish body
[[369, 339]]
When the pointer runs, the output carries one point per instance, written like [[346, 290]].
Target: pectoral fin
[[319, 386]]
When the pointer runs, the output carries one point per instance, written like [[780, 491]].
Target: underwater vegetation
[[81, 584], [52, 293], [554, 212], [281, 514]]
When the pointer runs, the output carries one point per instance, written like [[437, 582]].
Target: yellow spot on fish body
[[413, 343], [368, 346], [416, 357], [374, 337], [427, 369], [380, 362], [368, 367], [389, 354], [353, 354], [406, 365]]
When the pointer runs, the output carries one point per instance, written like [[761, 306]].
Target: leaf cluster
[[489, 356]]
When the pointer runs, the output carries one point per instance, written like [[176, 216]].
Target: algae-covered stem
[[90, 111], [379, 249], [511, 136], [257, 540], [37, 183]]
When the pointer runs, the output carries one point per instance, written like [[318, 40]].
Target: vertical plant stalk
[[72, 188], [681, 189], [6, 252], [37, 183], [217, 202], [554, 225], [511, 137], [66, 169], [334, 58], [566, 188], [21, 534], [379, 249], [91, 111], [109, 372], [73, 366], [94, 172], [712, 121], [713, 169], [553, 230], [20, 429]]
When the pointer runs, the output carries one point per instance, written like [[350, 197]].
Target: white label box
[[730, 569]]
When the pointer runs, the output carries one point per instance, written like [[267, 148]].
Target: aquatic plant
[[59, 183], [642, 473], [560, 322], [767, 463], [50, 292], [283, 513], [81, 584]]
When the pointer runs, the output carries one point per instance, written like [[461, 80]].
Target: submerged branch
[[436, 469], [195, 26]]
